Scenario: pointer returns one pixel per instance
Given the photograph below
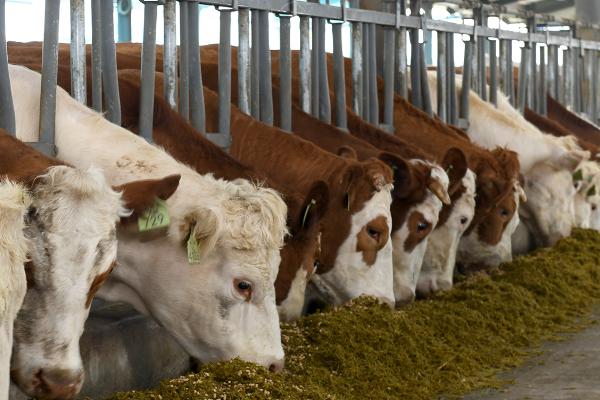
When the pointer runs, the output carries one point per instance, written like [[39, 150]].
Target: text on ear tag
[[155, 217], [193, 252]]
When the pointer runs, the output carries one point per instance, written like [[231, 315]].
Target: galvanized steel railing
[[575, 85]]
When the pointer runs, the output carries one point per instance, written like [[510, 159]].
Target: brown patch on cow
[[372, 238], [491, 228], [418, 229], [572, 122], [456, 194], [97, 283], [30, 273]]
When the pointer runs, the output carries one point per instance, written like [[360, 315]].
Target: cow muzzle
[[55, 384]]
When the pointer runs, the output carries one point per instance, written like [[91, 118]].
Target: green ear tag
[[155, 217], [193, 251], [449, 169], [578, 175], [591, 191]]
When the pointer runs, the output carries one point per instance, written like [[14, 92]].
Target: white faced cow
[[14, 201], [218, 303]]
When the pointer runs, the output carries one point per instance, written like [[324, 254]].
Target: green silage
[[449, 345]]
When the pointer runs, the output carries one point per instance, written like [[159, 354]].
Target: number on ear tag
[[193, 251], [155, 217]]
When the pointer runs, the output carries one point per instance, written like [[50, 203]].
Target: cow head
[[586, 179], [73, 247], [356, 253], [549, 213], [440, 256], [14, 201], [211, 281], [300, 256]]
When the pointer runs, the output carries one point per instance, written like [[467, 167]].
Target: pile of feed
[[448, 345]]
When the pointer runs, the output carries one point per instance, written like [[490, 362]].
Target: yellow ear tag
[[155, 217], [193, 252]]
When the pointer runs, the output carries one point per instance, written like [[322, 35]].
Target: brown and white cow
[[217, 298], [14, 202], [72, 248], [576, 125]]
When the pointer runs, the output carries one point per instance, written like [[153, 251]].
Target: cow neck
[[577, 126]]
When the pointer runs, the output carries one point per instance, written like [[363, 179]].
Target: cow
[[208, 276], [576, 125], [14, 202], [72, 246]]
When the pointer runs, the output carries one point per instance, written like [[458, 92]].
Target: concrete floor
[[568, 369]]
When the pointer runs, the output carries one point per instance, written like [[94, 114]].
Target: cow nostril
[[59, 383], [277, 366]]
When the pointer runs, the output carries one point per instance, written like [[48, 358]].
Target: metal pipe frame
[[357, 68], [324, 100], [7, 111], [314, 59], [401, 64], [452, 108], [466, 83], [197, 109], [77, 46], [339, 78], [243, 60], [146, 117], [96, 56], [426, 95], [510, 74], [415, 73], [170, 53], [254, 67], [373, 90], [523, 78], [542, 83], [265, 84], [366, 67], [49, 78], [442, 78], [110, 80], [184, 61], [552, 74], [305, 65], [285, 74], [493, 73], [225, 74]]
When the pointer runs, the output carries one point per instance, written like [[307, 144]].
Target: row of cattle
[[219, 247]]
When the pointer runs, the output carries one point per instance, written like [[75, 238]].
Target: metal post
[[315, 92], [254, 67], [78, 68], [510, 74], [7, 111], [305, 65], [265, 84], [466, 83], [542, 83], [357, 72], [481, 80], [197, 110], [552, 73], [49, 77], [451, 108], [532, 80], [225, 72], [389, 45], [110, 80], [146, 117], [401, 64], [588, 100], [415, 60], [373, 90], [493, 74], [442, 79], [595, 92], [184, 60], [285, 74], [523, 78], [96, 56], [170, 53], [366, 68], [339, 77], [424, 83], [568, 78], [324, 100], [124, 20], [578, 78], [243, 61]]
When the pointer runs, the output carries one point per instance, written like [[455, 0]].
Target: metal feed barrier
[[575, 85]]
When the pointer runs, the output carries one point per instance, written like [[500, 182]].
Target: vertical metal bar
[[493, 73], [366, 78], [170, 53], [49, 73], [415, 70], [502, 67], [124, 20], [305, 65], [373, 89], [388, 76], [225, 73], [197, 110], [481, 67], [510, 74], [594, 94], [265, 84], [552, 72], [357, 67], [466, 83], [401, 64], [7, 111], [567, 78], [78, 69], [339, 77], [523, 78], [285, 74], [532, 78], [452, 108], [110, 80], [579, 76], [96, 56], [315, 91], [442, 70], [254, 67], [542, 82], [146, 117], [424, 83], [184, 60], [324, 100], [588, 100], [243, 60]]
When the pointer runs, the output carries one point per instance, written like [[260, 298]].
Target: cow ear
[[347, 152], [571, 159], [455, 165], [138, 196], [403, 177], [351, 175], [201, 231], [314, 207]]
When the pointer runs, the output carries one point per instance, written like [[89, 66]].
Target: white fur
[[440, 257], [14, 201], [587, 214], [291, 308], [351, 277], [244, 227]]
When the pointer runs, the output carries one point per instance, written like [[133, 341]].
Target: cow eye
[[593, 207], [504, 212], [244, 288], [374, 234], [464, 220], [422, 226]]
